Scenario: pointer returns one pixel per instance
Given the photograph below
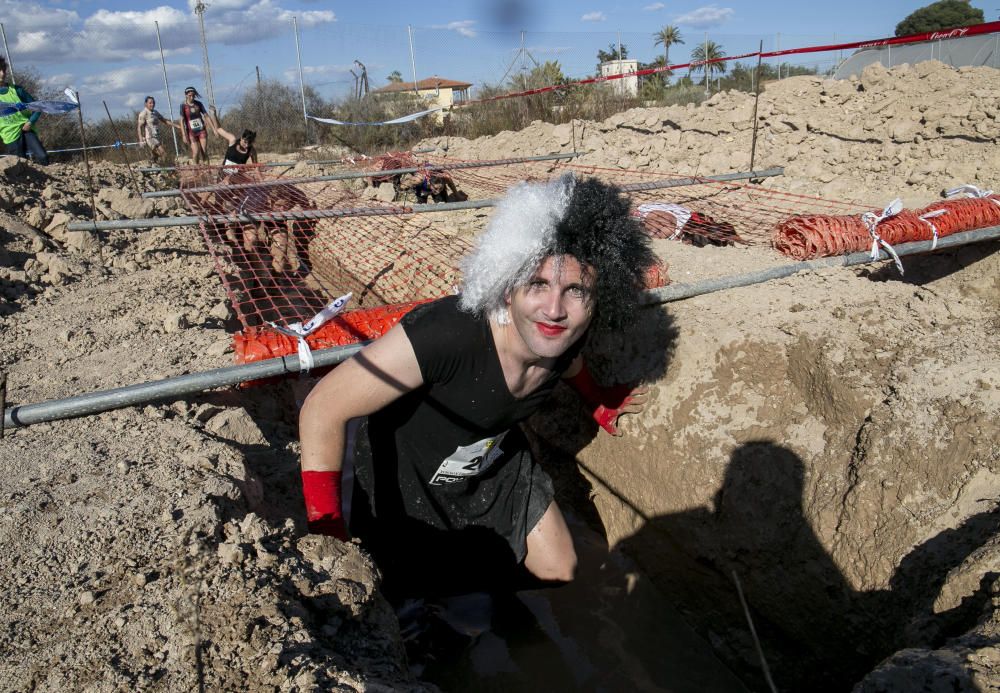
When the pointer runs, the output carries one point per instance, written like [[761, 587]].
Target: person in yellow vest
[[17, 129]]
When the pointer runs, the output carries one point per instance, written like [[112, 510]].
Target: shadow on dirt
[[929, 267], [817, 631]]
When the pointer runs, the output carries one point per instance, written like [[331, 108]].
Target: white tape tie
[[872, 220], [968, 189], [301, 331], [972, 191], [926, 218]]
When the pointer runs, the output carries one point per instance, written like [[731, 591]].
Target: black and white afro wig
[[587, 219]]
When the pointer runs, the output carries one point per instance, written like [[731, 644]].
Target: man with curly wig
[[447, 495]]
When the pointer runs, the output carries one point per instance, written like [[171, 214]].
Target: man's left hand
[[26, 127], [618, 400]]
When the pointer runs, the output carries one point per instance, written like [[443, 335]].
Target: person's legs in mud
[[33, 145]]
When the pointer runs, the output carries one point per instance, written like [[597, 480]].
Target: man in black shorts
[[447, 493]]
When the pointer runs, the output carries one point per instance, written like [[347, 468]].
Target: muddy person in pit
[[447, 495]]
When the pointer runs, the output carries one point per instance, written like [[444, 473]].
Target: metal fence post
[[199, 10], [302, 84], [166, 85], [413, 62], [10, 65]]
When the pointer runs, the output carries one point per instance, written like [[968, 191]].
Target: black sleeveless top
[[235, 156], [440, 454]]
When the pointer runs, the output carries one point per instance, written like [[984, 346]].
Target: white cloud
[[130, 85], [465, 27], [21, 17], [705, 16], [594, 17], [654, 7], [113, 36], [239, 22], [50, 36]]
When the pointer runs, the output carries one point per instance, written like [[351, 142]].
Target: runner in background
[[17, 130], [195, 122], [148, 128]]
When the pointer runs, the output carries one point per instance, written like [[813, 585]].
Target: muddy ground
[[826, 443]]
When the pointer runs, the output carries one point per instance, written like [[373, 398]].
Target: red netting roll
[[807, 237], [258, 343]]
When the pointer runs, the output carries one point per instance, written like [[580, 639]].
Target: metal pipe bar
[[360, 174], [130, 395], [96, 402], [342, 160], [676, 292], [157, 222], [165, 169]]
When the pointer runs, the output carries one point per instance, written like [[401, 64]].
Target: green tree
[[651, 87], [544, 75], [667, 36], [609, 55], [395, 77], [709, 50], [945, 14]]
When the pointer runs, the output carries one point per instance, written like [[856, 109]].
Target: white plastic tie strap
[[872, 220], [926, 218], [300, 331], [972, 191], [680, 214]]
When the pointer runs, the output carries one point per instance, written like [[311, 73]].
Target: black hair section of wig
[[598, 230], [249, 135]]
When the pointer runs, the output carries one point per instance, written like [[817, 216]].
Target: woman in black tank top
[[240, 149]]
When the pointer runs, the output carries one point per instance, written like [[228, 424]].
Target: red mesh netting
[[311, 240]]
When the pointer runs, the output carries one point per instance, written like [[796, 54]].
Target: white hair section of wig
[[519, 235]]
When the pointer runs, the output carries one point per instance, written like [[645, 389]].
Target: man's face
[[554, 309], [150, 104]]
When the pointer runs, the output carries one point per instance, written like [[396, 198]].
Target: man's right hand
[[321, 490]]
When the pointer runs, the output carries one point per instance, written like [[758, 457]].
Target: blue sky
[[107, 49]]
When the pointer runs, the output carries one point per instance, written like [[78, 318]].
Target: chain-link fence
[[269, 79]]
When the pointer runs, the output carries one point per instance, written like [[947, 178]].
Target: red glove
[[322, 494], [608, 402]]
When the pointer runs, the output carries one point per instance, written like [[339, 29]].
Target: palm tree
[[709, 50], [668, 36]]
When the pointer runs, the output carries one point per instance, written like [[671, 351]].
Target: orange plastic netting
[[807, 237]]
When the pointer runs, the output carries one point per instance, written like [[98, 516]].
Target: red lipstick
[[550, 330]]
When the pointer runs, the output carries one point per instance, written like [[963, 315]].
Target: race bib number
[[468, 461], [197, 125]]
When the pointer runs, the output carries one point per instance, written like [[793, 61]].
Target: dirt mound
[[830, 439], [906, 132]]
